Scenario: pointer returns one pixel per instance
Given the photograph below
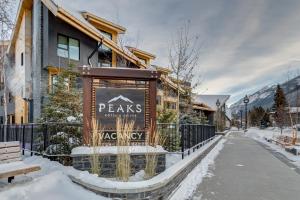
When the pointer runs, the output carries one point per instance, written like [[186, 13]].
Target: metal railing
[[189, 137], [40, 138]]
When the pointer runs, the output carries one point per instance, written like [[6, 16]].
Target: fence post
[[189, 138], [23, 140], [31, 140], [45, 131], [7, 133], [182, 140]]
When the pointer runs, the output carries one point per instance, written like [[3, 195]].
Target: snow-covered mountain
[[265, 96], [120, 97]]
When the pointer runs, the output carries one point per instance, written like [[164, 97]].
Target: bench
[[11, 163]]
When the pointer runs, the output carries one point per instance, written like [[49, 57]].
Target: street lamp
[[241, 115], [246, 101], [218, 105]]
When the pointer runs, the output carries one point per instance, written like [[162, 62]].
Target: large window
[[68, 47], [105, 53]]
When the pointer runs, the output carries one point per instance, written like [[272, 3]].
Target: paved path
[[244, 170]]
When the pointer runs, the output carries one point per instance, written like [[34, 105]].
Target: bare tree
[[6, 28], [184, 56]]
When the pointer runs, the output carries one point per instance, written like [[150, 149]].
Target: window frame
[[68, 46], [22, 58]]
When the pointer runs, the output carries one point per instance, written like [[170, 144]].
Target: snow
[[190, 183], [51, 182], [262, 135], [7, 167], [114, 150], [71, 119], [172, 159]]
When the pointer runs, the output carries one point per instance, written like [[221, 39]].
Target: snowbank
[[114, 150], [52, 182], [190, 183], [262, 135]]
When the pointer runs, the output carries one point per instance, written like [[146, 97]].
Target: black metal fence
[[189, 137], [39, 137]]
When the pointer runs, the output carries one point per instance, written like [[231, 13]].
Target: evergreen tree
[[279, 107], [63, 113]]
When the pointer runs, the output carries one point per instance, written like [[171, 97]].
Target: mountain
[[120, 97], [265, 96]]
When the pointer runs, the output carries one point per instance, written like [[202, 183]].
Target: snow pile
[[19, 165], [172, 159], [190, 183], [52, 182], [263, 135], [114, 150]]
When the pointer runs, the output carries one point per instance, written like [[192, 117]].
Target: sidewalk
[[244, 170]]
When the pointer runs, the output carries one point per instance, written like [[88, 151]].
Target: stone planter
[[107, 161]]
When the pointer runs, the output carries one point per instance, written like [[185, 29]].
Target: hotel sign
[[127, 103]]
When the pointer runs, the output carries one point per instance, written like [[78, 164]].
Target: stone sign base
[[82, 158], [108, 164]]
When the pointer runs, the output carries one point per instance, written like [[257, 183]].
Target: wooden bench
[[11, 163]]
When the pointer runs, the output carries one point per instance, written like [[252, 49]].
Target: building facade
[[48, 37]]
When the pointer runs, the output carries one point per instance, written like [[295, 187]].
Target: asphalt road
[[245, 170]]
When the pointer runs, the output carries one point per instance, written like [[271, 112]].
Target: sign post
[[128, 93]]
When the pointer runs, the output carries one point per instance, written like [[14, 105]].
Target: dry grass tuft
[[97, 138], [153, 139], [124, 130]]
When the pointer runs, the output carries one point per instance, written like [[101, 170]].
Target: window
[[22, 59], [2, 100], [10, 97], [105, 53], [13, 121], [104, 56], [107, 35], [158, 100], [53, 81], [68, 47], [170, 105]]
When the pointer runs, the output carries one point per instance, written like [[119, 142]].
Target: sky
[[245, 44]]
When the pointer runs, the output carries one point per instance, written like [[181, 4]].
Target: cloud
[[247, 44]]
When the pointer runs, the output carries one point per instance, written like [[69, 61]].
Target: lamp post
[[218, 105], [246, 101], [241, 115]]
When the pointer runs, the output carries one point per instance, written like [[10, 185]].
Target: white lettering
[[113, 136], [106, 136], [138, 108], [101, 106], [133, 136], [129, 108], [120, 108], [140, 135], [110, 108]]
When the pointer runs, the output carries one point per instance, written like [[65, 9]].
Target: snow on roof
[[211, 100]]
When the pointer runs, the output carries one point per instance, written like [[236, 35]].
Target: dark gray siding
[[87, 45]]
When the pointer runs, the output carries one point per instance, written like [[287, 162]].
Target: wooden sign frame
[[93, 76]]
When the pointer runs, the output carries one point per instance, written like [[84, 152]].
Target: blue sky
[[246, 44]]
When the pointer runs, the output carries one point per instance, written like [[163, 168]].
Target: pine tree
[[64, 107], [280, 107]]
